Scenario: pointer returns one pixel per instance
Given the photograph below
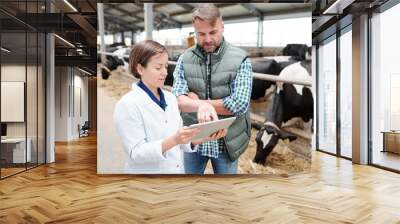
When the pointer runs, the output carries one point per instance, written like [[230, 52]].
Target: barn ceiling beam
[[122, 24], [252, 9], [165, 16], [126, 13], [159, 5], [186, 6], [93, 7]]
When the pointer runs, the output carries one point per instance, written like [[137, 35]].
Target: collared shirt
[[160, 102], [237, 102]]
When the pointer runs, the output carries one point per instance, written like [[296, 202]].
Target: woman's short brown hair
[[141, 54]]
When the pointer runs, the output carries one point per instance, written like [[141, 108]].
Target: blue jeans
[[196, 163]]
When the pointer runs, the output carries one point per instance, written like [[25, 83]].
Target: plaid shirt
[[237, 102]]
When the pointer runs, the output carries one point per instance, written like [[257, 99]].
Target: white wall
[[14, 73], [62, 81], [80, 109], [71, 94]]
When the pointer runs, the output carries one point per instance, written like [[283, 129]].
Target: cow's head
[[267, 138], [105, 72], [300, 51]]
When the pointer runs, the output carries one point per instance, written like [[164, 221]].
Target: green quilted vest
[[224, 65]]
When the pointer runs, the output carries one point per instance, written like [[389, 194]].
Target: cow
[[291, 102], [171, 68], [111, 64], [300, 51], [119, 57], [292, 53], [169, 80], [270, 66], [264, 66]]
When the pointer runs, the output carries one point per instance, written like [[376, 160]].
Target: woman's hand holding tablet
[[207, 129]]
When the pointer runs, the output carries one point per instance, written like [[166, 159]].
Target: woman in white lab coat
[[148, 119]]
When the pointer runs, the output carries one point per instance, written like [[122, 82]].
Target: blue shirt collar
[[160, 102]]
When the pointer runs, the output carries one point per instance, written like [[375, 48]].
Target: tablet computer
[[208, 128]]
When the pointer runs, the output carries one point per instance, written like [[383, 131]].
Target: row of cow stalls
[[281, 102]]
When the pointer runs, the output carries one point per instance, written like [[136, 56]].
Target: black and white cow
[[292, 53], [119, 58], [110, 64], [291, 103], [264, 66], [300, 51]]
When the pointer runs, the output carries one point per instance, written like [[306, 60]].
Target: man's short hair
[[206, 12]]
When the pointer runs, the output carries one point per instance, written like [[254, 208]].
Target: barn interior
[[265, 37], [57, 97]]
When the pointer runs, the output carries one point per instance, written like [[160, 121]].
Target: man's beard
[[210, 47]]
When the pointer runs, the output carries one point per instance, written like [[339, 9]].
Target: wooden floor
[[10, 171], [70, 191], [387, 159]]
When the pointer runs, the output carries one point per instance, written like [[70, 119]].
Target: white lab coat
[[142, 125]]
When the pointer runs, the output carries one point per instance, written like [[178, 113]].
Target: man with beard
[[214, 79]]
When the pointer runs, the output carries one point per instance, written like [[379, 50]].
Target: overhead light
[[338, 6], [70, 5], [79, 51], [65, 41], [86, 72], [5, 49]]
